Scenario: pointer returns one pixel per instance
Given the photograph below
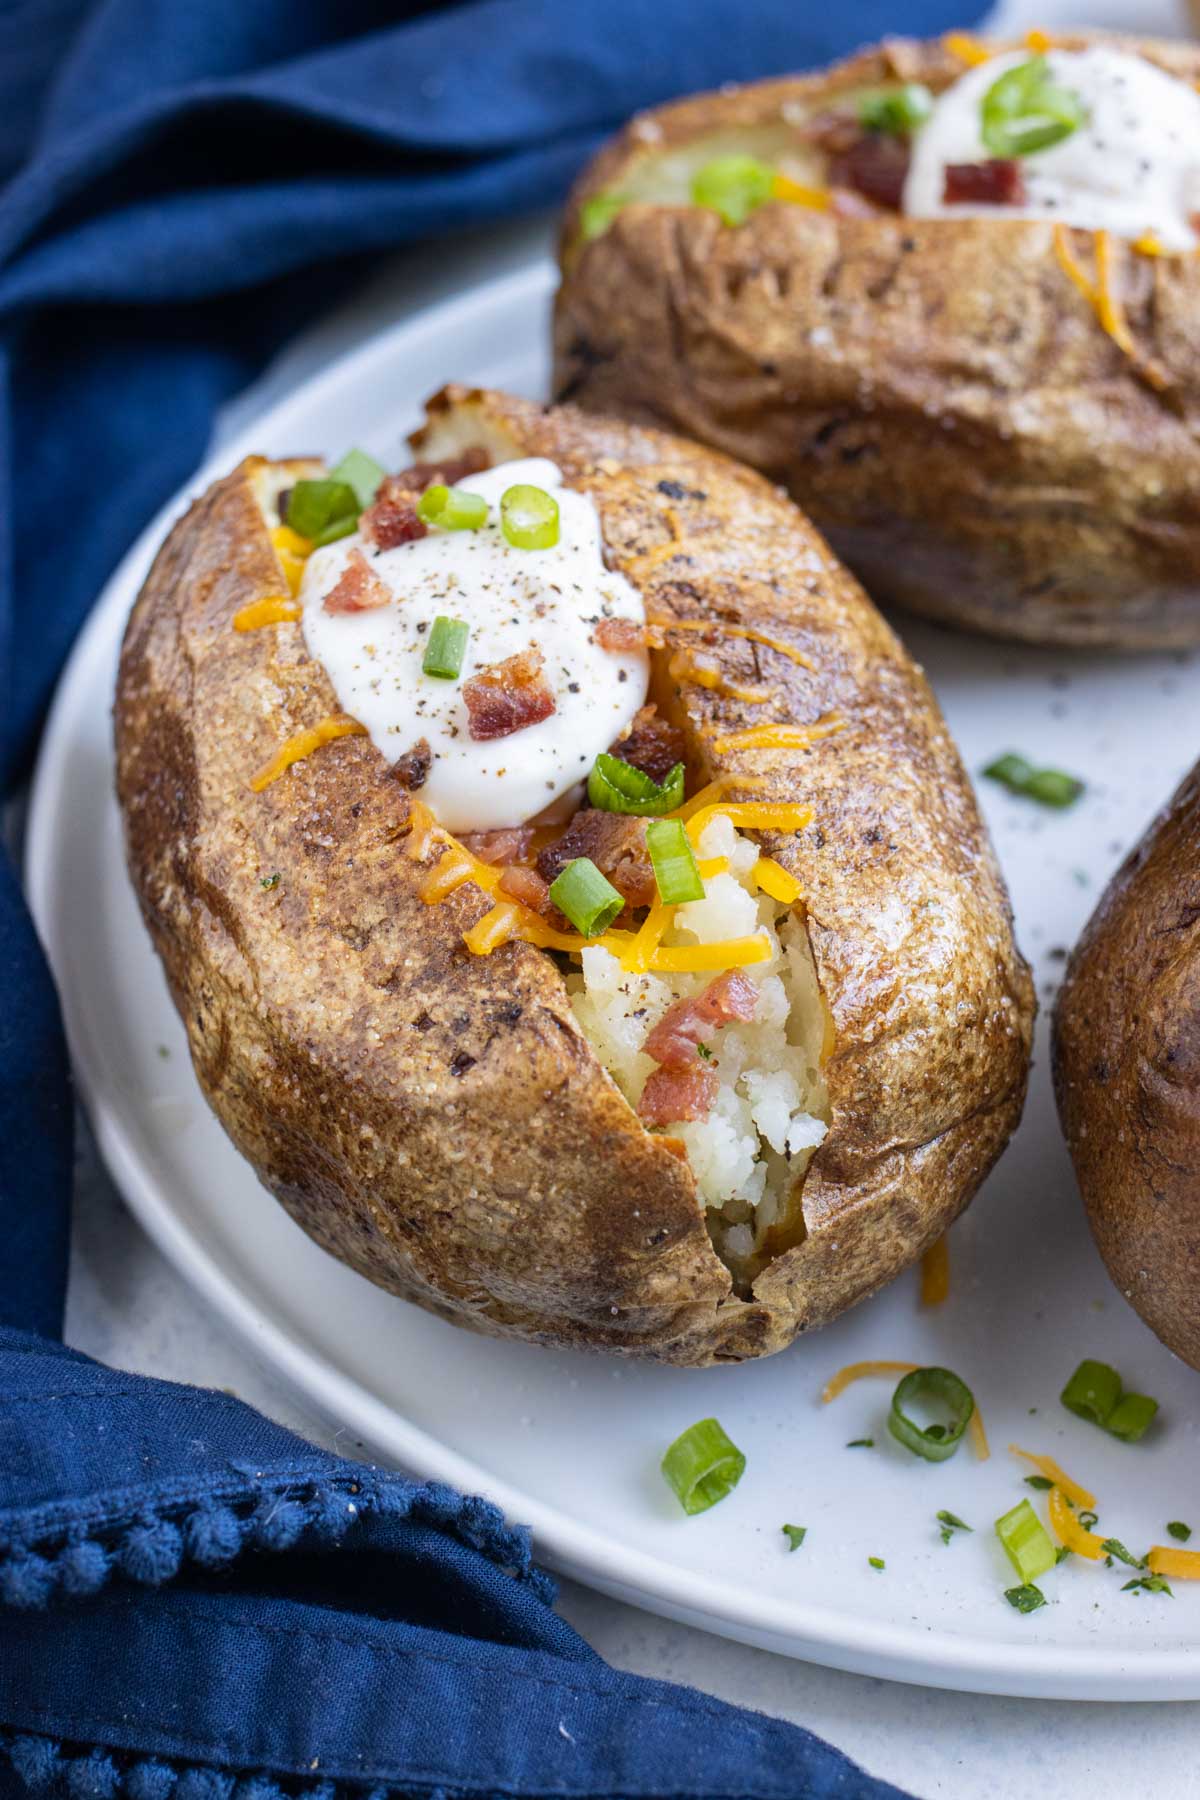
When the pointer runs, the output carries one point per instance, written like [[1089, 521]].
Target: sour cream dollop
[[1133, 166], [511, 599]]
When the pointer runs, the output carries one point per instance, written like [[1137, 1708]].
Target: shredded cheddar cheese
[[272, 609], [683, 667], [646, 561], [1149, 245], [1101, 296], [1183, 1565], [688, 959], [837, 1384], [778, 737], [296, 748], [1038, 41], [707, 795], [657, 630], [637, 954], [773, 879], [784, 188], [1069, 1531], [752, 815], [967, 47], [293, 552], [935, 1273], [1047, 1466]]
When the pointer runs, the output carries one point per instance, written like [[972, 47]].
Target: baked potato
[[684, 1128], [979, 373], [1127, 1073]]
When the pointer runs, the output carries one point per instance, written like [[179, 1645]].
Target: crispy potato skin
[[937, 394], [1127, 1073], [437, 1120]]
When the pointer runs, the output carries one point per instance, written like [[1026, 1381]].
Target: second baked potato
[[978, 372]]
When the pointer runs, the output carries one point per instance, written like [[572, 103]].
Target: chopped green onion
[[1040, 1482], [452, 508], [1049, 786], [1088, 1519], [950, 1523], [323, 510], [734, 186], [861, 1444], [704, 1052], [1149, 1584], [529, 517], [598, 213], [272, 881], [1026, 110], [702, 1465], [616, 786], [1179, 1530], [360, 472], [938, 1441], [795, 1535], [1092, 1392], [1026, 1541], [1061, 1554], [1116, 1548], [877, 1562], [444, 652], [588, 898], [1026, 1598], [897, 110], [1131, 1417], [674, 862]]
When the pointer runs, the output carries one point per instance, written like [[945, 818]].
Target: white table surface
[[129, 1308]]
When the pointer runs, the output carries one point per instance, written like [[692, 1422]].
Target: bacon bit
[[684, 1025], [616, 843], [452, 470], [507, 696], [672, 1095], [620, 634], [833, 132], [509, 845], [391, 518], [876, 166], [527, 887], [412, 769], [997, 182], [360, 589], [844, 203], [650, 744]]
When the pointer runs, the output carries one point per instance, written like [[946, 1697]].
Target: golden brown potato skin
[[937, 394], [1127, 1073], [437, 1120]]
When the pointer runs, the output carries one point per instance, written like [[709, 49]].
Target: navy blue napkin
[[194, 1604]]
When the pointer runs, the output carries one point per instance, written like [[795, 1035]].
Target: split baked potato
[[1127, 1073], [449, 1085], [990, 409]]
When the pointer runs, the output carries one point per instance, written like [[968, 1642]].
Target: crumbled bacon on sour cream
[[507, 696], [358, 589]]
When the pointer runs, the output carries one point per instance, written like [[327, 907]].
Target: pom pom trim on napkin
[[43, 1557]]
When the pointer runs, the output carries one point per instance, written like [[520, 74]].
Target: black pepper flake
[[460, 1062]]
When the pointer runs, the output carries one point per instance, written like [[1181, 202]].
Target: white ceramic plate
[[570, 1443]]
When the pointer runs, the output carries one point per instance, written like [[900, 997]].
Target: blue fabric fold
[[194, 1604]]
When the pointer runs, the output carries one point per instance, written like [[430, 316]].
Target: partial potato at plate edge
[[1127, 1073], [992, 419], [435, 1115]]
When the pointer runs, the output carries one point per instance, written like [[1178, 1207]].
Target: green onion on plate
[[702, 1466], [1050, 787], [1026, 1598], [795, 1535], [1094, 1393], [1026, 1541], [928, 1388]]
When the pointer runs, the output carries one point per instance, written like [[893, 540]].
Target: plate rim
[[932, 1657]]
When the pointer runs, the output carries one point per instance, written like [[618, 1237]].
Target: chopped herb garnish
[[927, 1388], [1025, 1598], [1062, 1553], [950, 1523], [861, 1444], [270, 881], [1149, 1584], [877, 1562], [1116, 1548], [702, 1050], [1179, 1530], [898, 111], [1040, 1482], [1051, 787], [794, 1534], [1087, 1519]]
